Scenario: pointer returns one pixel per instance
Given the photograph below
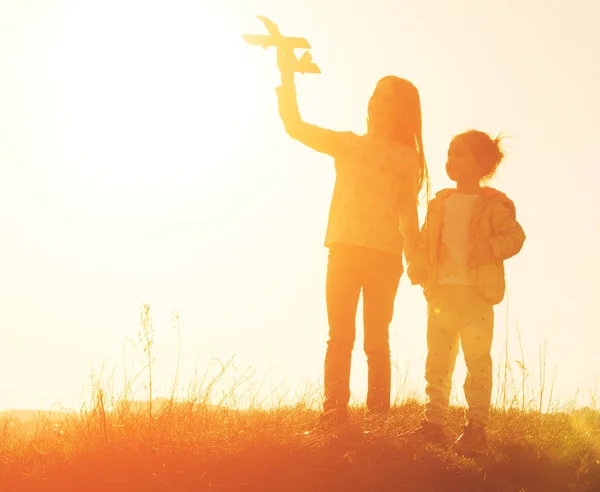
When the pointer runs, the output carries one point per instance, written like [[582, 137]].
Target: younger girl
[[468, 232], [372, 219]]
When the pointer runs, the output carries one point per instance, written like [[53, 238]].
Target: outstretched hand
[[285, 64]]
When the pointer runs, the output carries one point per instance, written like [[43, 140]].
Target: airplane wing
[[281, 41], [271, 27], [275, 39]]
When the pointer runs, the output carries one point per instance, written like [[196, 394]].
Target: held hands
[[417, 273]]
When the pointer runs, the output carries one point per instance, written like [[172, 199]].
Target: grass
[[192, 446], [180, 444]]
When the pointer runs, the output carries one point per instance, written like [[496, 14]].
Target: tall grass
[[206, 440]]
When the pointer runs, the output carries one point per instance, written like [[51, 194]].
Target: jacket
[[493, 220]]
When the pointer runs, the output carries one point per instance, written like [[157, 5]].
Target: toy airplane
[[275, 39]]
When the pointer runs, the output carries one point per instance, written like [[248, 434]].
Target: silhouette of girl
[[372, 220], [468, 233]]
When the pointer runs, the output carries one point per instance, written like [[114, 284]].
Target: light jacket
[[493, 220]]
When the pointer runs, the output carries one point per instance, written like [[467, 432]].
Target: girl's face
[[384, 103], [461, 164]]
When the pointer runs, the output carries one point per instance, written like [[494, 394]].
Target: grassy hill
[[183, 446]]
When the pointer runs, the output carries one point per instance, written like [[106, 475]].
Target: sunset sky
[[142, 160]]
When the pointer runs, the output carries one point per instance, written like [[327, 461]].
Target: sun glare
[[145, 92]]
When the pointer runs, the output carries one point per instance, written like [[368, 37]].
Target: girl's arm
[[409, 226], [508, 236], [320, 139], [409, 215], [418, 268]]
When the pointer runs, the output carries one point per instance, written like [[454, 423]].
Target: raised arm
[[320, 139]]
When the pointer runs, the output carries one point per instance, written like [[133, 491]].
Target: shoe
[[471, 440], [333, 423], [428, 432], [375, 422]]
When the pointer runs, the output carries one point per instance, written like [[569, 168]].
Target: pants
[[377, 273], [458, 313]]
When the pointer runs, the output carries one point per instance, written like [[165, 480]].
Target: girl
[[372, 219], [468, 232]]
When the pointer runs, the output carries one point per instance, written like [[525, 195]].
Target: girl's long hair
[[409, 127]]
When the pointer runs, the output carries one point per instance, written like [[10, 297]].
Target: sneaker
[[428, 432], [471, 440]]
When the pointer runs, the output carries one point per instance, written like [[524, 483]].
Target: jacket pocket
[[491, 282]]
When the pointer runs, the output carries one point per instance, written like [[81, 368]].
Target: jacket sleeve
[[320, 139], [507, 234]]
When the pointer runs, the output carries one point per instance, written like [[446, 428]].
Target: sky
[[142, 161]]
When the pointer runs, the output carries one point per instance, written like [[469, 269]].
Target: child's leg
[[343, 286], [443, 318], [476, 339], [380, 284]]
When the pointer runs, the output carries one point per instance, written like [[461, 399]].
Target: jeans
[[351, 269]]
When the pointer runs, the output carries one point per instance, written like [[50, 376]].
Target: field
[[116, 443], [189, 445]]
